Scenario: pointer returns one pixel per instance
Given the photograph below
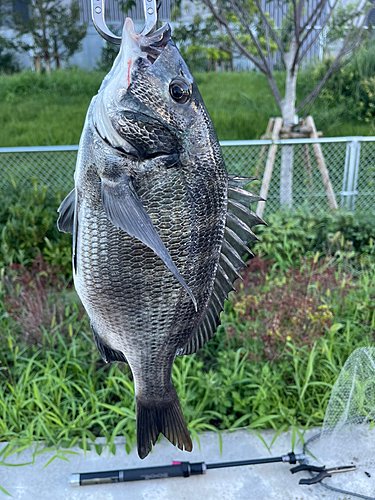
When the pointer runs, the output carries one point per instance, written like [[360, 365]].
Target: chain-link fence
[[350, 162]]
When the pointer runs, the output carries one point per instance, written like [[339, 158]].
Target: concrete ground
[[258, 482]]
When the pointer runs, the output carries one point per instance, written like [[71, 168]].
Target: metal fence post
[[344, 192], [356, 170], [349, 191]]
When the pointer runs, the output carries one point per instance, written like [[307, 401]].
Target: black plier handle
[[322, 472]]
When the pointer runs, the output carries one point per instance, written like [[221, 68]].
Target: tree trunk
[[288, 112], [56, 54], [45, 44], [57, 60], [47, 62], [37, 63]]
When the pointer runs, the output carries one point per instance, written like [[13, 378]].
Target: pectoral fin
[[66, 211], [125, 210]]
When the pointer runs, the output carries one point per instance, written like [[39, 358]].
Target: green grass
[[42, 110], [50, 110], [239, 104]]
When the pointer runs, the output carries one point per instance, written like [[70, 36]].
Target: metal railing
[[350, 162]]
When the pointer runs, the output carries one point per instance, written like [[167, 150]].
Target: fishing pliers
[[322, 472]]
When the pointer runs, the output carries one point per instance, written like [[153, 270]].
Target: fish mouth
[[151, 45], [154, 44]]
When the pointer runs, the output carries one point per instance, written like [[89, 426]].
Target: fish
[[159, 227]]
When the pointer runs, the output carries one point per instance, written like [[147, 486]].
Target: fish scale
[[159, 299], [158, 232]]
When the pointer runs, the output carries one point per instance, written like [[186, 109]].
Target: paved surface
[[258, 482]]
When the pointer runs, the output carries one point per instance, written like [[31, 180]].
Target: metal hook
[[98, 18]]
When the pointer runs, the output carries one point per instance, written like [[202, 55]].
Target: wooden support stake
[[322, 164], [269, 166], [271, 123]]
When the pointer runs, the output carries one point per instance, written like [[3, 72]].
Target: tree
[[253, 32], [203, 44], [66, 32], [108, 53], [8, 59], [53, 31]]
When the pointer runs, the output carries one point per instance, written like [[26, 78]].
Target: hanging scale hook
[[98, 18]]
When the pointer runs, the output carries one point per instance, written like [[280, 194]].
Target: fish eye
[[180, 90]]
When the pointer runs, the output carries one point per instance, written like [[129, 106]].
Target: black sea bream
[[159, 230]]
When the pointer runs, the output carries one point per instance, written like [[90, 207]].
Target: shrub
[[28, 229], [8, 58], [353, 86], [284, 336], [108, 55], [292, 306], [39, 300], [291, 235]]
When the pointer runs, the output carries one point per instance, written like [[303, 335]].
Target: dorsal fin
[[236, 237], [237, 180], [237, 193]]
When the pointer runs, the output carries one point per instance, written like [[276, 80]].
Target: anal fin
[[107, 353]]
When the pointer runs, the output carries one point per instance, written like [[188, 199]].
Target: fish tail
[[161, 416]]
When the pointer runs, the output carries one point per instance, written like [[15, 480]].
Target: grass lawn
[[38, 110]]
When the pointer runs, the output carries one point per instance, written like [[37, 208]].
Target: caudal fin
[[164, 416]]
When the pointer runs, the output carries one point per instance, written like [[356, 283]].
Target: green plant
[[306, 302], [55, 390], [352, 86], [108, 54], [8, 59], [295, 234], [28, 228]]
